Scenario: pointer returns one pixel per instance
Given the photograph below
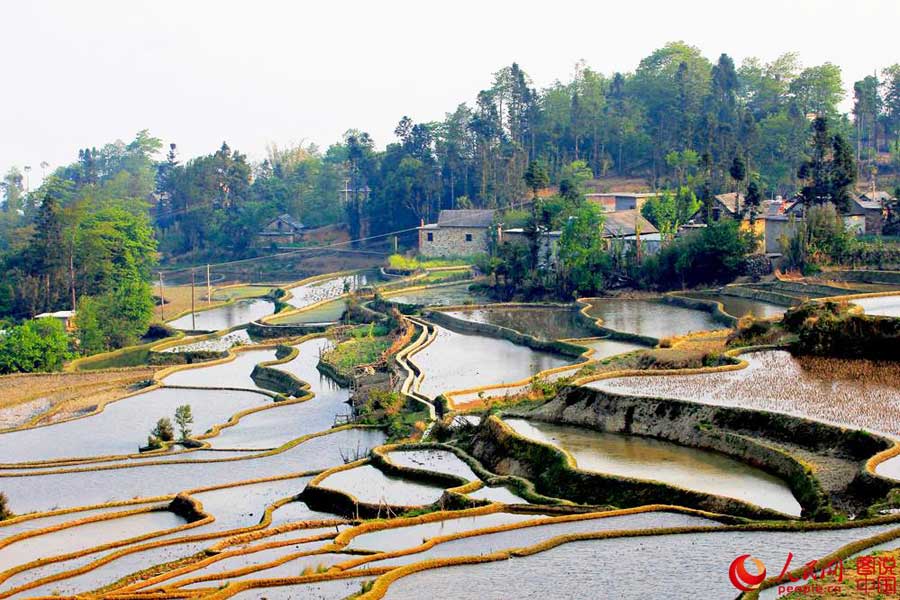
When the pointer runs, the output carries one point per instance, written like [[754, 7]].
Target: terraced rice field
[[860, 394], [240, 527], [456, 361], [882, 306], [544, 323], [647, 458], [225, 317], [649, 318]]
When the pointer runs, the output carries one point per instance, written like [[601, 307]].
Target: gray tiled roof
[[466, 218]]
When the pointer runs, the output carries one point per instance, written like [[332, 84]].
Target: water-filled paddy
[[885, 306], [604, 348], [738, 307], [497, 494], [282, 423], [83, 536], [50, 491], [647, 458], [456, 361], [222, 343], [686, 566], [854, 393], [545, 323], [444, 295], [527, 536], [123, 425], [225, 317], [650, 318], [310, 293], [329, 312], [234, 508], [232, 374], [397, 538], [336, 589], [439, 461], [370, 485]]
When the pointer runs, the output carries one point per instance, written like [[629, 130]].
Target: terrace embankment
[[822, 464], [552, 471]]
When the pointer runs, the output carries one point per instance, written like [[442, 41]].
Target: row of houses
[[467, 232]]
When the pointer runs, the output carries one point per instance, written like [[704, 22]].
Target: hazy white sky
[[196, 72]]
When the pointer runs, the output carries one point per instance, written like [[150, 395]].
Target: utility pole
[[162, 300], [193, 314], [208, 288]]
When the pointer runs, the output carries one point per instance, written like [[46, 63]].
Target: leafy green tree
[[536, 177], [116, 318], [184, 418], [584, 263], [714, 255], [669, 211], [36, 345], [753, 200], [818, 90]]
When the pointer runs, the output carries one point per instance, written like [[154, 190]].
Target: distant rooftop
[[626, 222], [466, 218]]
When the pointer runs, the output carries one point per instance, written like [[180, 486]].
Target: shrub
[[163, 430], [5, 513]]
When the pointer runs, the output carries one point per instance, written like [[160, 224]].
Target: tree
[[830, 172], [183, 419], [669, 211], [163, 430], [36, 345], [584, 263], [116, 318], [818, 90], [536, 177], [753, 200]]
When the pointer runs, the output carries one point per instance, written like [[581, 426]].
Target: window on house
[[468, 237], [430, 237]]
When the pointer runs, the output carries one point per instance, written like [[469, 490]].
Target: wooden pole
[[193, 314], [208, 288], [162, 300]]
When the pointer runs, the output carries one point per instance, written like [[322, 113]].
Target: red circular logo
[[741, 578]]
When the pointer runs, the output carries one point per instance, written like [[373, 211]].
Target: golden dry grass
[[178, 300], [28, 397]]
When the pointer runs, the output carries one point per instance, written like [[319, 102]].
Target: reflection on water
[[310, 293], [543, 323], [329, 312], [224, 317], [446, 295], [629, 568], [739, 307], [647, 458], [368, 484], [456, 361], [649, 318], [123, 425], [884, 306]]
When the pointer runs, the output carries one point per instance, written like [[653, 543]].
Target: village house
[[618, 201], [623, 229], [66, 317], [461, 232], [283, 229], [864, 215]]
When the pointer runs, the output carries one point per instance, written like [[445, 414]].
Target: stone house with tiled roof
[[461, 232]]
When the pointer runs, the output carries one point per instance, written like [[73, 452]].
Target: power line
[[331, 246]]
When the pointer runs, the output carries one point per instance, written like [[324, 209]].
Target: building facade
[[457, 233]]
